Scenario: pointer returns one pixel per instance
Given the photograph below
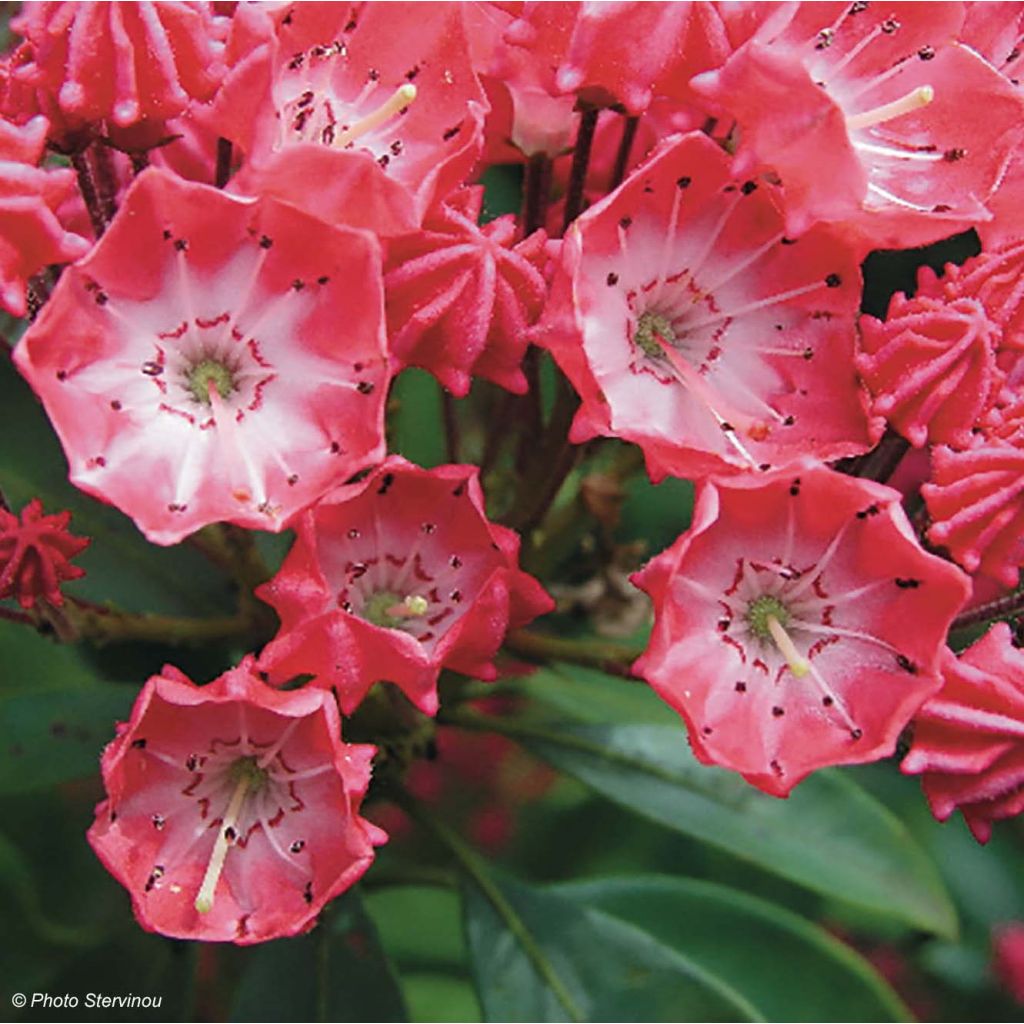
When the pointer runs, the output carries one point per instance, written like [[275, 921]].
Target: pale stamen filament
[[225, 839], [914, 100], [798, 664], [398, 101]]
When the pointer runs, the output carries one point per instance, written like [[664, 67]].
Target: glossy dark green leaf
[[537, 956], [829, 835], [337, 972], [121, 566], [786, 967], [56, 734]]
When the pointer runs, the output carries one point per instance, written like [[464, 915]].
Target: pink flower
[[394, 578], [120, 62], [31, 236], [233, 809], [969, 739], [691, 325], [35, 554], [798, 623], [868, 113], [460, 298], [931, 366], [363, 116], [213, 359], [976, 501]]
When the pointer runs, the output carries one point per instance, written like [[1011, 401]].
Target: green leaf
[[829, 835], [537, 956], [120, 565], [414, 426], [58, 733], [786, 967], [337, 972]]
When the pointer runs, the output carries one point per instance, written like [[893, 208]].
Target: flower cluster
[[272, 210]]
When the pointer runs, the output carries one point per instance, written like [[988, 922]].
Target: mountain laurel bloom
[[969, 738], [232, 810], [207, 362], [692, 326], [781, 623], [394, 578], [35, 554]]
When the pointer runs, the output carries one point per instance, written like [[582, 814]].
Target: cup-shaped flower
[[798, 623], [394, 578], [213, 359], [691, 325], [232, 810]]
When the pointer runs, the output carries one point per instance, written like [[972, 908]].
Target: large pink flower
[[360, 115], [868, 113], [213, 359], [394, 578], [798, 623], [31, 236], [691, 325], [232, 810], [969, 738]]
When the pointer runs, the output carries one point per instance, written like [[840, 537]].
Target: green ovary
[[760, 610], [208, 372], [650, 327]]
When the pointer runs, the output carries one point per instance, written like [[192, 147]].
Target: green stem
[[323, 970], [614, 659], [471, 865], [1000, 608], [103, 626]]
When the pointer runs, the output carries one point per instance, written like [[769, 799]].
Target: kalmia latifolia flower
[[213, 359], [798, 623], [868, 113], [968, 743], [360, 116], [119, 62], [931, 366], [394, 578], [31, 236], [35, 554], [460, 297], [233, 809], [691, 325]]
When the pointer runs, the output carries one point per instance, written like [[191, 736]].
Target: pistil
[[395, 104], [798, 664], [913, 100]]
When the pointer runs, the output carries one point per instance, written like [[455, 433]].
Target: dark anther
[[624, 222], [954, 154], [684, 182], [741, 687], [855, 734], [926, 53], [833, 280], [364, 387], [139, 744], [906, 664], [265, 242], [778, 712], [181, 244], [748, 187], [907, 583], [450, 133], [612, 279]]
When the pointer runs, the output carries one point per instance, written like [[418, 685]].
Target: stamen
[[916, 98], [798, 664], [204, 900], [399, 100], [413, 607]]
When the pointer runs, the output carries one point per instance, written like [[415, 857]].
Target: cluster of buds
[[278, 210]]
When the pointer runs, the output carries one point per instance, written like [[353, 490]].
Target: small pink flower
[[31, 236], [460, 298], [233, 809], [798, 623], [969, 738], [213, 359], [394, 578], [931, 366], [35, 553], [120, 62], [693, 326]]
